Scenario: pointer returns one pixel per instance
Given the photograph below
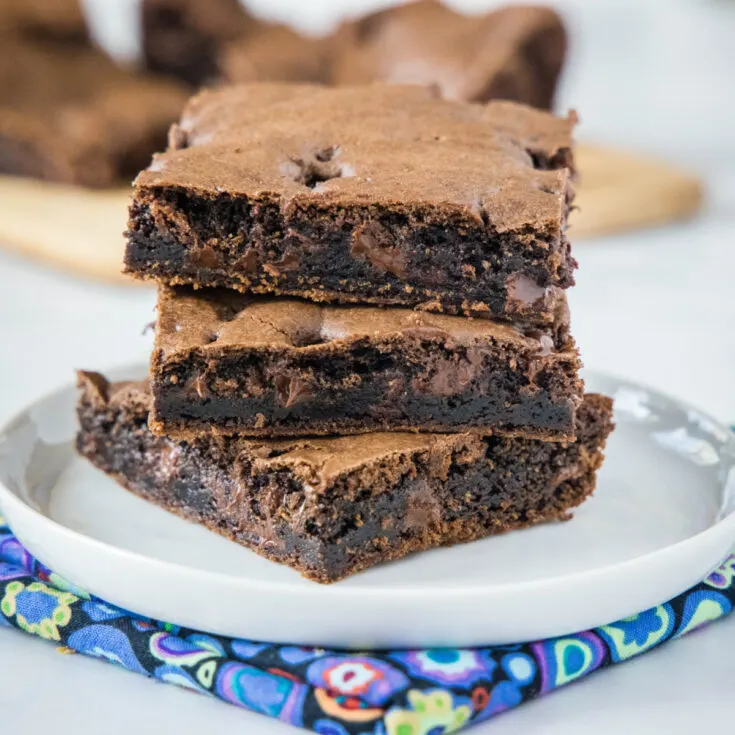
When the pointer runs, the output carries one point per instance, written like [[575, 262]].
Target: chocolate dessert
[[380, 195], [183, 38], [515, 53], [331, 507], [68, 113], [227, 363]]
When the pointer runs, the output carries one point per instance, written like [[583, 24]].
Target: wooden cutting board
[[81, 230], [620, 191]]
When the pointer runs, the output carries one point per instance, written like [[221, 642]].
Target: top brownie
[[513, 53], [380, 194]]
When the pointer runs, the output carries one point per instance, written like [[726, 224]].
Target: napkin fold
[[401, 692]]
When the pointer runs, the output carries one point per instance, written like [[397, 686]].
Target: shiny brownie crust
[[227, 363], [332, 507]]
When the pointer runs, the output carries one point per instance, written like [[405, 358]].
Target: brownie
[[228, 363], [515, 53], [203, 42], [334, 506], [381, 194], [276, 53], [183, 38], [44, 19], [69, 114]]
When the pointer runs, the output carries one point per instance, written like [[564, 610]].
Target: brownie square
[[332, 507], [515, 53], [381, 194], [227, 363], [69, 114]]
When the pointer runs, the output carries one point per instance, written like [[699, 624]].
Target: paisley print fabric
[[426, 692]]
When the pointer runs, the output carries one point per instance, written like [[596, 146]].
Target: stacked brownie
[[362, 347]]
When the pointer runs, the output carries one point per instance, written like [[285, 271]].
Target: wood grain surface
[[81, 230]]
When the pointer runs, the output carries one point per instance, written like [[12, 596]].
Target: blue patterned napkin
[[421, 692]]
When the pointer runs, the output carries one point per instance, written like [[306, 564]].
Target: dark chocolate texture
[[227, 363], [332, 507], [381, 194]]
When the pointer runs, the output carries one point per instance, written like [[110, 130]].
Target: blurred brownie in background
[[515, 53], [69, 114], [277, 53], [43, 19], [183, 38]]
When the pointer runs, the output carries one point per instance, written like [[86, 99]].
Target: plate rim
[[337, 590]]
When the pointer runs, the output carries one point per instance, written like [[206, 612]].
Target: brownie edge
[[331, 507]]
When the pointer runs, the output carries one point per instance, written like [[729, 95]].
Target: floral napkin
[[412, 692]]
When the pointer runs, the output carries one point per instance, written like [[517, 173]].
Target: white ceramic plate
[[663, 516]]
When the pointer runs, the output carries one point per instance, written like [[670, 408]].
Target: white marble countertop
[[656, 306]]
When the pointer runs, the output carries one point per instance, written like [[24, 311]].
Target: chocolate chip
[[292, 390], [207, 257], [373, 243]]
